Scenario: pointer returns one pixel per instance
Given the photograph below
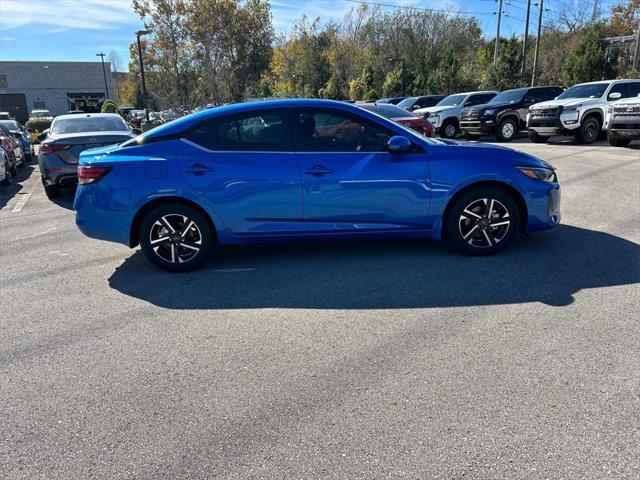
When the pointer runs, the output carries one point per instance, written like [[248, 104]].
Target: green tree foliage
[[109, 106], [588, 61]]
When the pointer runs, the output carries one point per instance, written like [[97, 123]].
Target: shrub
[[109, 106], [39, 124]]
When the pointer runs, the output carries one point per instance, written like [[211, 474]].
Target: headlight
[[539, 173], [489, 113]]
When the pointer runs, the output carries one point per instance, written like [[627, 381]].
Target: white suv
[[445, 116], [579, 111], [623, 120]]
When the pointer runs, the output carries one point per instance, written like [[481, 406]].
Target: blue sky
[[78, 29]]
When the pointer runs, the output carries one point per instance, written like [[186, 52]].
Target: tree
[[587, 62]]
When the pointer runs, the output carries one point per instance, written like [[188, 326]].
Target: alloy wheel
[[507, 130], [175, 238], [484, 223], [450, 130]]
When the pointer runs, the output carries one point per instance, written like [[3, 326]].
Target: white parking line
[[22, 200]]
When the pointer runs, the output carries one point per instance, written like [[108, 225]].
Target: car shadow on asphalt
[[547, 267], [7, 192]]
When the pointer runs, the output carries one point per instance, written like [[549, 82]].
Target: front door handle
[[199, 169], [318, 170]]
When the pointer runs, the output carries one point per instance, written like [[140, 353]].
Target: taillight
[[88, 175], [52, 147]]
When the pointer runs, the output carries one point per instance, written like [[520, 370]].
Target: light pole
[[104, 73], [140, 33]]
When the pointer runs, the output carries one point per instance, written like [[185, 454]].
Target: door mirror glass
[[615, 95], [398, 144]]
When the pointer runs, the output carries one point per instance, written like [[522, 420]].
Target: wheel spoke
[[490, 209], [159, 240], [475, 227], [486, 235], [497, 224], [166, 223], [190, 245], [186, 229], [469, 213], [173, 253]]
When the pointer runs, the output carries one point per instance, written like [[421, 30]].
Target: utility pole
[[495, 50], [139, 33], [525, 44], [104, 73], [535, 56], [636, 53]]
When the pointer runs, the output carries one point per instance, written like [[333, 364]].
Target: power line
[[424, 9]]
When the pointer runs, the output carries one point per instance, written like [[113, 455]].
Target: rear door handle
[[199, 169], [318, 170]]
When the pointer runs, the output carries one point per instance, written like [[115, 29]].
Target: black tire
[[180, 244], [7, 180], [617, 141], [449, 129], [468, 227], [507, 130], [535, 137], [589, 130], [13, 171], [52, 191]]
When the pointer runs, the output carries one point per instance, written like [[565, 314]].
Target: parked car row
[[16, 149], [583, 111]]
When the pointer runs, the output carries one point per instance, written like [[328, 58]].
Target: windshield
[[88, 124], [509, 96], [451, 101], [586, 90], [407, 102], [10, 125], [387, 111]]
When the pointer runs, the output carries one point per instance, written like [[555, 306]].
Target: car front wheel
[[176, 237], [482, 221], [506, 130], [449, 129], [589, 130], [617, 141]]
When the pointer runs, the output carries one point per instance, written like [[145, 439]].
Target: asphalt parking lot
[[361, 360]]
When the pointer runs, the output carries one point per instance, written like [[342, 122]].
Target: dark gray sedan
[[68, 136]]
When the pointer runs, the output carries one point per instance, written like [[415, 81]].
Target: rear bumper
[[56, 172], [99, 218]]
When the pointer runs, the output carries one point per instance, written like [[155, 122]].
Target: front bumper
[[544, 208], [623, 126], [554, 123], [486, 127]]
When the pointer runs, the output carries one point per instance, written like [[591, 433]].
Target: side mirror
[[398, 144], [43, 135], [615, 95]]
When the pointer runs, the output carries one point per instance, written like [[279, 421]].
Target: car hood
[[567, 102], [492, 152], [627, 101], [493, 106], [436, 109]]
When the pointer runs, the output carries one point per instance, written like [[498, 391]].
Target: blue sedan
[[289, 170]]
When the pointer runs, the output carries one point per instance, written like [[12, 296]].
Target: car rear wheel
[[589, 130], [617, 141], [507, 129], [449, 129], [6, 180], [176, 237], [482, 221]]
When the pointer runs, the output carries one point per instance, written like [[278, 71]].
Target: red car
[[400, 115]]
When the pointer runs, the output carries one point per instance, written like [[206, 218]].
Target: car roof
[[181, 123], [90, 115]]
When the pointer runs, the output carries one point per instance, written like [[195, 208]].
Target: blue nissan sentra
[[286, 170]]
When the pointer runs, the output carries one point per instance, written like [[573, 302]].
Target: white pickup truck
[[445, 116], [623, 121], [579, 110]]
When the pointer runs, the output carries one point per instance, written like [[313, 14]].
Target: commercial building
[[55, 86]]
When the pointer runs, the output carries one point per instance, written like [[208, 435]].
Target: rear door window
[[255, 131]]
